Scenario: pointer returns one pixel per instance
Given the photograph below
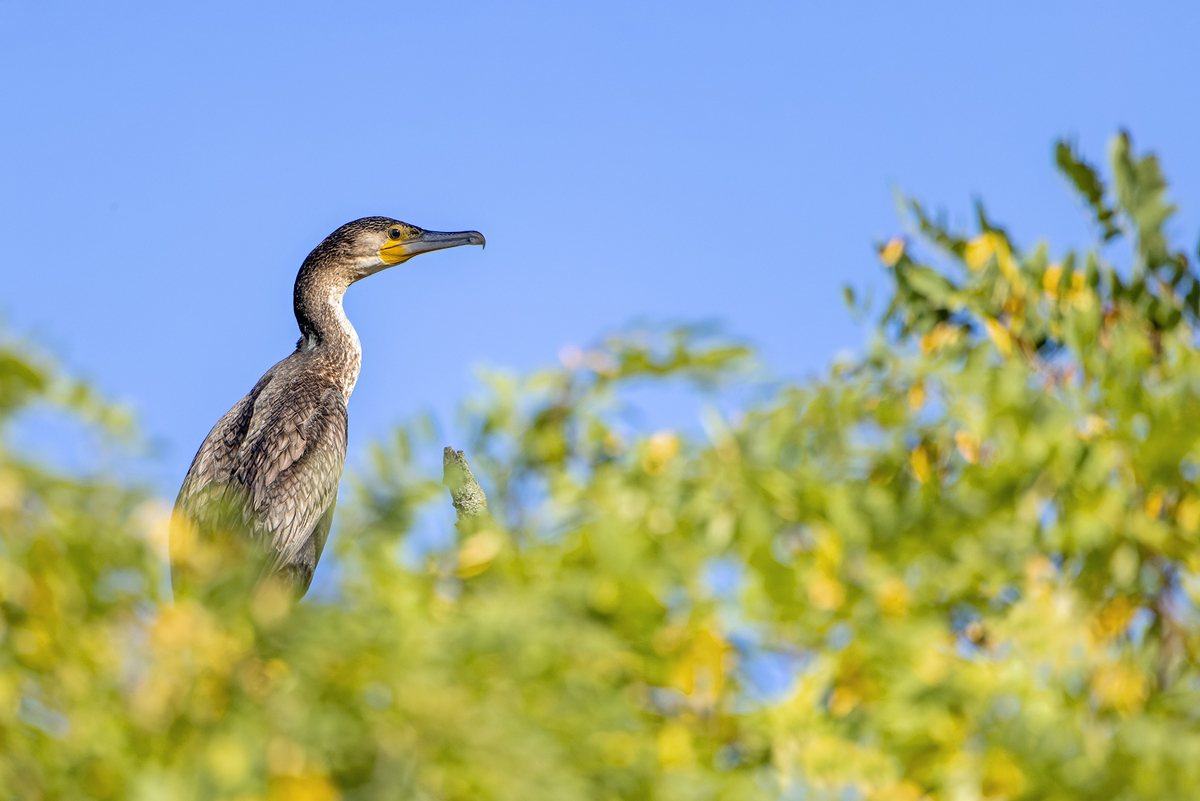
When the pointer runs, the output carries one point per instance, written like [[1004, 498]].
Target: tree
[[962, 566]]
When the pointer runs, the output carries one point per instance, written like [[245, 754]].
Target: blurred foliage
[[964, 566]]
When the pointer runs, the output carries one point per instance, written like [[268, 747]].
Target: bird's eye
[[394, 233]]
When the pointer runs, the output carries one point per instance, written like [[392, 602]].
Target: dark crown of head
[[340, 240]]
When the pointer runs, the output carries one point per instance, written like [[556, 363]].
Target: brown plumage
[[265, 479]]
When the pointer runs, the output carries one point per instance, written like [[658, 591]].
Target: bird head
[[376, 243]]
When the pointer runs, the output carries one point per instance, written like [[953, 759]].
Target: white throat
[[341, 344]]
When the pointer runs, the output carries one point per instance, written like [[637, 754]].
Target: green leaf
[[1086, 180], [1141, 193]]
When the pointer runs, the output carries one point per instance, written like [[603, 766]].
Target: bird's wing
[[291, 464], [300, 570], [269, 468], [205, 500]]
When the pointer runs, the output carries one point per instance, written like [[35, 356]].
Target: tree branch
[[466, 494]]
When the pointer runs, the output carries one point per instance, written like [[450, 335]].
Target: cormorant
[[264, 482]]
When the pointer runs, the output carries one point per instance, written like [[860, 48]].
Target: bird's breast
[[350, 370]]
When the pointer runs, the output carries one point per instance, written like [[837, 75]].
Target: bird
[[259, 497]]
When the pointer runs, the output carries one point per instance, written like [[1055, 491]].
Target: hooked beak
[[401, 250]]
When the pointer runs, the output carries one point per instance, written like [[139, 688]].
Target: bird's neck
[[326, 331]]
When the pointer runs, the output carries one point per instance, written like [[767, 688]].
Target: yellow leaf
[[901, 791], [1002, 776], [475, 555], [979, 250], [892, 597], [892, 251], [842, 701], [999, 335], [11, 491], [827, 546], [271, 602], [1113, 619], [1050, 280], [1008, 265], [1014, 307], [1188, 514], [701, 671], [967, 445], [675, 746], [933, 666], [302, 788], [1093, 426], [660, 449], [1039, 573], [1120, 687], [825, 593], [1155, 502], [228, 760], [921, 465], [942, 335], [916, 396], [987, 245]]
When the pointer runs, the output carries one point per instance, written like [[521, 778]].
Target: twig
[[466, 494]]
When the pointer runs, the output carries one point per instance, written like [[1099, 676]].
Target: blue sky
[[164, 168]]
